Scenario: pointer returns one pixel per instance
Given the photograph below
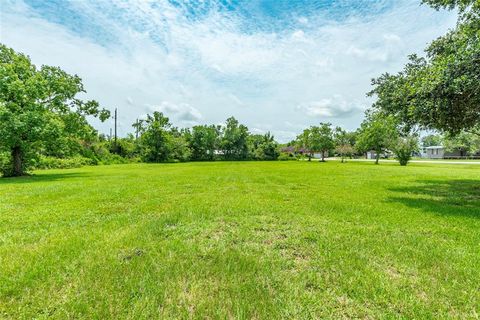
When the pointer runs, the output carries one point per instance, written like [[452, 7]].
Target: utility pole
[[136, 129], [110, 136], [115, 148]]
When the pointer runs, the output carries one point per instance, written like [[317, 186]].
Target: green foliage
[[5, 163], [156, 139], [160, 142], [203, 141], [432, 140], [59, 163], [321, 139], [284, 156], [377, 133], [316, 139], [124, 147], [344, 143], [467, 143], [262, 147], [404, 147], [451, 4], [303, 143], [38, 107], [179, 148], [233, 142], [442, 90]]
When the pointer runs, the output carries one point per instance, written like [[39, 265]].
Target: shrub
[[286, 157], [113, 159], [5, 163], [404, 147], [60, 163]]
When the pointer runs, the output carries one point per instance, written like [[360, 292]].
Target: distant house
[[303, 151], [434, 152], [439, 152]]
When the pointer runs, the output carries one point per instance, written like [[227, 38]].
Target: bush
[[286, 157], [5, 163], [115, 159], [60, 163], [404, 149]]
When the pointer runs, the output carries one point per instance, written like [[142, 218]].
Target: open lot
[[242, 240]]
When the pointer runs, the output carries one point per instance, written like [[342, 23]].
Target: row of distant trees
[[160, 141], [43, 125], [376, 134], [43, 122]]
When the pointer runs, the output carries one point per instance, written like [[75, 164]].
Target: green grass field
[[242, 240]]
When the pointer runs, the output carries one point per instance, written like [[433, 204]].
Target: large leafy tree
[[322, 139], [378, 133], [203, 141], [179, 147], [263, 147], [156, 139], [441, 90], [303, 143], [316, 139], [234, 140], [38, 107]]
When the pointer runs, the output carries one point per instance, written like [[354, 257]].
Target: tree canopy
[[441, 90], [432, 140], [39, 107], [233, 142], [377, 133]]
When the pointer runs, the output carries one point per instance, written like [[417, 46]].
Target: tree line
[[43, 124], [160, 141], [43, 121]]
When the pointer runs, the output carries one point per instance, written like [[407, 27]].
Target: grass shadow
[[444, 197], [47, 177]]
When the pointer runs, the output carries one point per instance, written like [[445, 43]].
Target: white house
[[434, 152]]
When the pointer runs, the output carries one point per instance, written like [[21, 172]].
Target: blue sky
[[276, 65]]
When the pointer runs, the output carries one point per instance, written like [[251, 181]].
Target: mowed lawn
[[261, 240]]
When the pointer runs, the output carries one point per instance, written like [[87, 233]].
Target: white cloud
[[183, 112], [336, 106], [257, 131], [206, 70]]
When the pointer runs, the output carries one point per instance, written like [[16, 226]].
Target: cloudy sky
[[276, 65]]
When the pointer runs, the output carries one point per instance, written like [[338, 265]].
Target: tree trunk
[[377, 157], [17, 158], [323, 156]]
